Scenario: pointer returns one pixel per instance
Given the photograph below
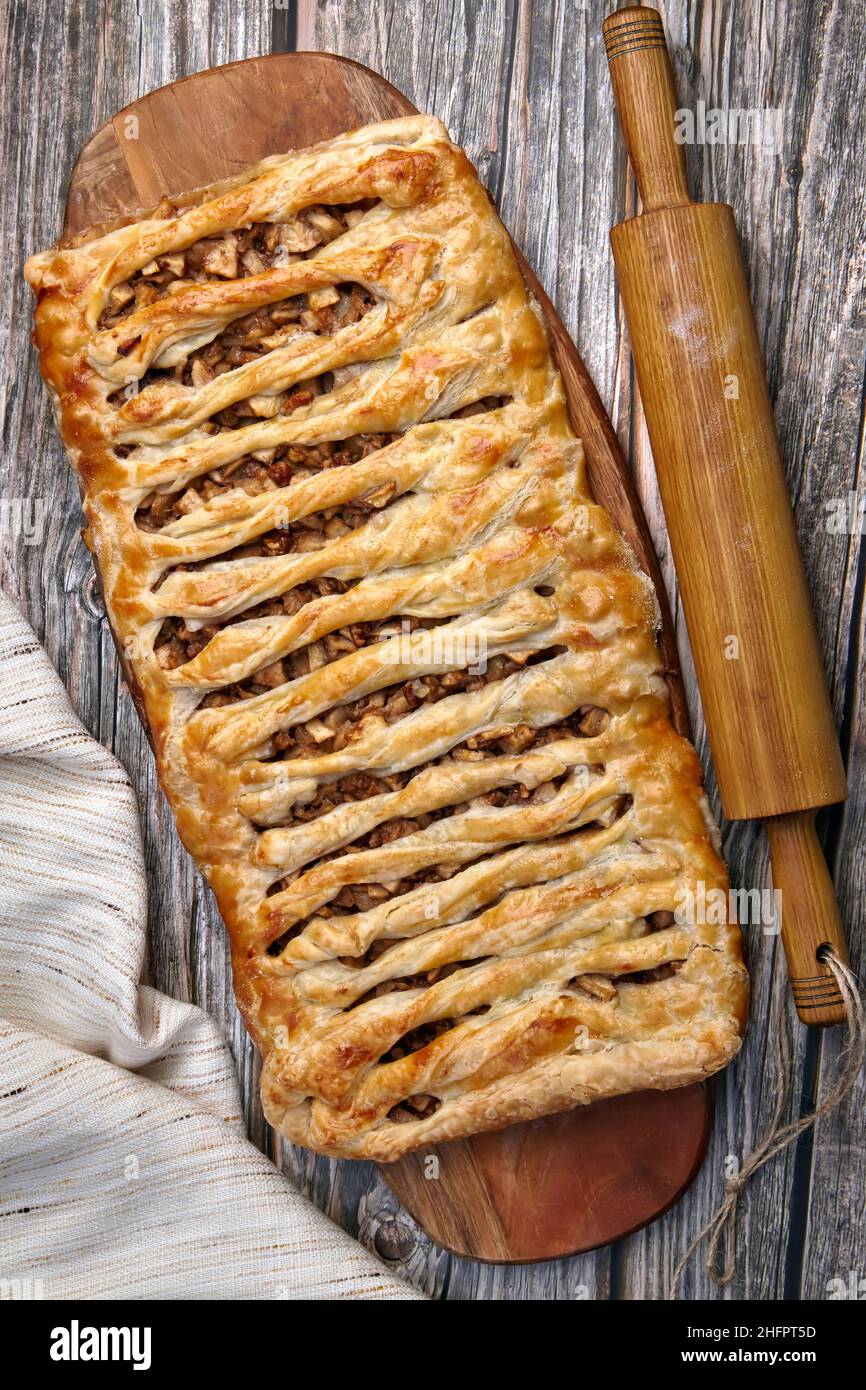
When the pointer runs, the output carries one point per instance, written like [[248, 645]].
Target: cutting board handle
[[810, 916], [643, 85]]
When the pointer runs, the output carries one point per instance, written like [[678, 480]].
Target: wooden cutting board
[[566, 1183]]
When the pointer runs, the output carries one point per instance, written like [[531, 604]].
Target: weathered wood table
[[523, 85]]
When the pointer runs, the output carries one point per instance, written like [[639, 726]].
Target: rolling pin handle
[[810, 916], [643, 85]]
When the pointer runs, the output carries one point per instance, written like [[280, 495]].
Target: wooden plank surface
[[522, 84]]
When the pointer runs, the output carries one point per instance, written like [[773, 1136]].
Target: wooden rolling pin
[[727, 509]]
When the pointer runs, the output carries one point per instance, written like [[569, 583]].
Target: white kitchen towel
[[124, 1167]]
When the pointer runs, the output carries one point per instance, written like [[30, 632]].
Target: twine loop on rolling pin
[[721, 1227]]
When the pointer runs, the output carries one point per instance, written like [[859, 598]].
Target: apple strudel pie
[[397, 667]]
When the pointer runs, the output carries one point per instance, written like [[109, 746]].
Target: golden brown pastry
[[398, 669]]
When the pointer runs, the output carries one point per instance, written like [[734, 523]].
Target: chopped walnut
[[599, 986], [414, 1108], [593, 721], [221, 258], [121, 295], [325, 223], [272, 675], [296, 234], [321, 299]]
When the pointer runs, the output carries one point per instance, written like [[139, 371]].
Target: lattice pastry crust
[[398, 668]]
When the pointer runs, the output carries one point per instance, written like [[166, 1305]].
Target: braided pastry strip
[[448, 851]]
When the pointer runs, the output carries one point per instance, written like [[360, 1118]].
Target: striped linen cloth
[[124, 1167]]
